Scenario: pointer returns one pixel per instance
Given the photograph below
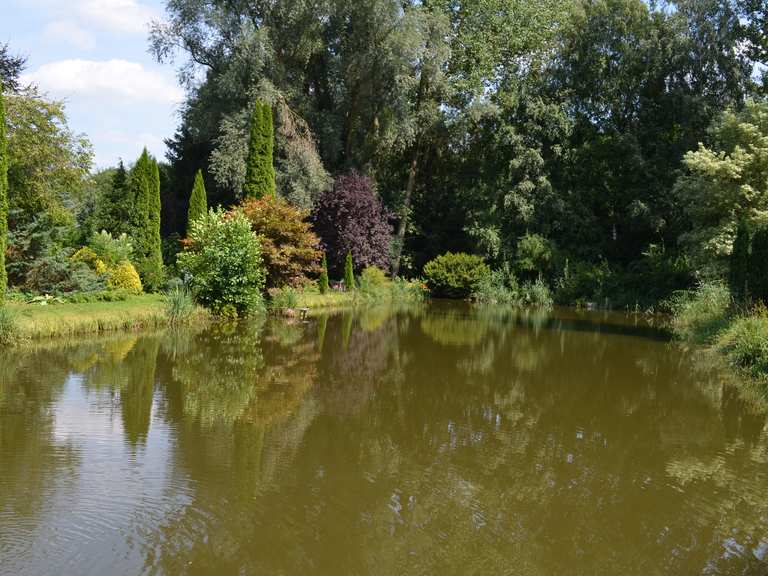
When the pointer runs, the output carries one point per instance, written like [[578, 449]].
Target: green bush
[[537, 294], [500, 287], [534, 255], [582, 282], [349, 273], [283, 298], [745, 343], [109, 249], [403, 290], [224, 264], [8, 328], [700, 315], [455, 275], [124, 277]]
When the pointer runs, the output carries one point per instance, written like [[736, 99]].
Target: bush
[[533, 255], [283, 298], [349, 273], [124, 277], [289, 248], [745, 343], [700, 315], [351, 218], [455, 275], [224, 264], [179, 305], [100, 296], [499, 287], [57, 274], [8, 328], [109, 249], [373, 283], [582, 282], [537, 294]]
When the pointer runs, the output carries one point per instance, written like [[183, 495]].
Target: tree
[[198, 201], [323, 282], [260, 170], [11, 67], [740, 257], [289, 247], [155, 272], [224, 263], [3, 197], [350, 218], [349, 273], [758, 266], [145, 221], [114, 214]]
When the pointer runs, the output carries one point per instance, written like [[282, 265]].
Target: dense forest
[[608, 149]]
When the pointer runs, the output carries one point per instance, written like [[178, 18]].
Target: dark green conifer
[[145, 220], [740, 263], [260, 170], [349, 274], [324, 276], [198, 200], [3, 198]]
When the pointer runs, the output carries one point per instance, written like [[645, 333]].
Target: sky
[[93, 55]]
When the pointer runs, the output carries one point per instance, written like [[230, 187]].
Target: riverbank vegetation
[[600, 152]]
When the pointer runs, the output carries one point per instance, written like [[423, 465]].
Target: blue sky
[[93, 55]]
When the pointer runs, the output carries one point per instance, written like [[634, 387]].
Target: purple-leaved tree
[[351, 218]]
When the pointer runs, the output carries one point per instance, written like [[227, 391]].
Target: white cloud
[[69, 32], [109, 78], [127, 16]]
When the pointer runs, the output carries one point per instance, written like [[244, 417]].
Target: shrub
[[758, 266], [100, 296], [349, 273], [374, 284], [198, 199], [455, 275], [87, 256], [57, 274], [283, 298], [179, 305], [533, 255], [111, 250], [224, 264], [124, 277], [537, 294], [739, 272], [403, 290], [351, 218], [289, 248], [700, 315], [323, 282], [499, 287]]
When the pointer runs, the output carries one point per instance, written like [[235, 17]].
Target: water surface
[[441, 440]]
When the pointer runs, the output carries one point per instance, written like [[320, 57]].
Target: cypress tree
[[260, 170], [198, 200], [145, 221], [324, 276], [740, 263], [3, 198], [155, 256], [757, 274], [116, 212], [349, 274], [253, 168]]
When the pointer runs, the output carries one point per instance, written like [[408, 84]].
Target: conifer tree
[[260, 170], [757, 274], [115, 213], [740, 263], [349, 274], [3, 198], [145, 221], [324, 276], [198, 200], [155, 257]]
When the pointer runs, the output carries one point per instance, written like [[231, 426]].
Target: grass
[[56, 320]]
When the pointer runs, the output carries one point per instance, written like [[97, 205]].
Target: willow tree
[[3, 198], [198, 200]]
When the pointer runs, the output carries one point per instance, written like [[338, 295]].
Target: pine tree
[[117, 207], [3, 198], [349, 274], [198, 200], [757, 274], [324, 276], [260, 170], [740, 263]]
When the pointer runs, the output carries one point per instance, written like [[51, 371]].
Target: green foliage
[[198, 200], [224, 263], [260, 169], [179, 305], [145, 221], [3, 198], [455, 275], [740, 255], [499, 287], [757, 279], [323, 282], [115, 203], [745, 343], [283, 298], [537, 294], [109, 249], [700, 315], [99, 296], [534, 255], [349, 273], [124, 278], [9, 333]]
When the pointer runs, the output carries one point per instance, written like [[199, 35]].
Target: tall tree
[[155, 272], [145, 222], [116, 205], [260, 170], [3, 197], [11, 67], [198, 200]]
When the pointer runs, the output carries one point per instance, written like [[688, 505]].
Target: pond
[[443, 439]]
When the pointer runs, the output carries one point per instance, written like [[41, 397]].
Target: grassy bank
[[33, 321], [708, 317]]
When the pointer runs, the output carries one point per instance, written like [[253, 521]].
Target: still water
[[441, 440]]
